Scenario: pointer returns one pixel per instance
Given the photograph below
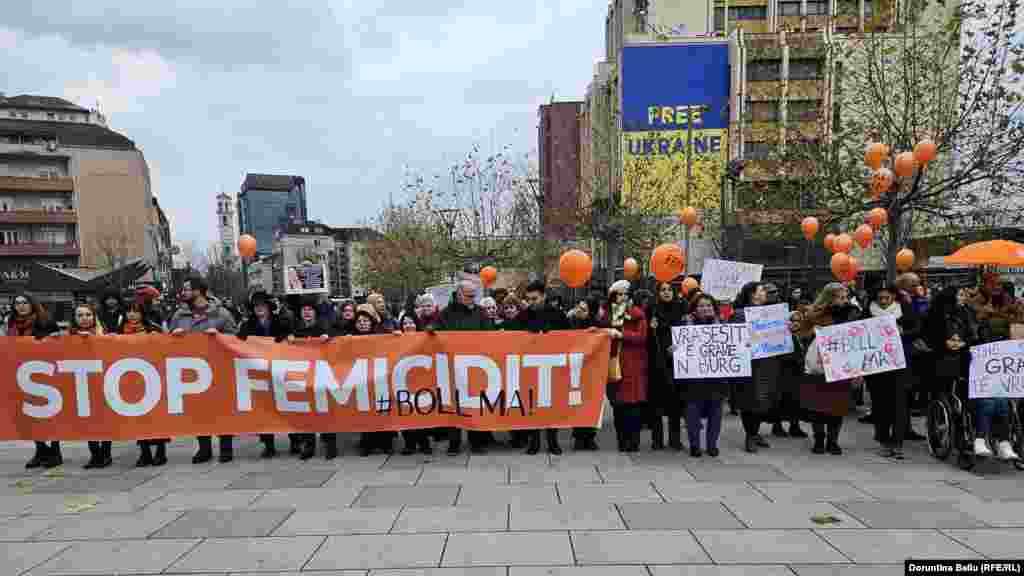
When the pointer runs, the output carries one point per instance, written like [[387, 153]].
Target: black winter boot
[[40, 455], [205, 452], [227, 450], [552, 438]]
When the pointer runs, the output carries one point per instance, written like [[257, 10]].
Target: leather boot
[[53, 457], [534, 443], [269, 449], [294, 444], [205, 452], [95, 455], [145, 456], [657, 434], [330, 446], [40, 455], [161, 453], [675, 439], [106, 454], [552, 437], [227, 450], [308, 447], [819, 444], [833, 441]]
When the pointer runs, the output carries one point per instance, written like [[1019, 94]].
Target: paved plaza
[[782, 511]]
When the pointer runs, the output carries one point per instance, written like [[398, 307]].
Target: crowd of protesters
[[937, 332]]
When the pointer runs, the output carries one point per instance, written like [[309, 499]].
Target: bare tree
[[114, 248], [224, 279]]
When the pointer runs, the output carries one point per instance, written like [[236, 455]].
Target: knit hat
[[259, 299], [425, 300], [368, 310], [621, 286]]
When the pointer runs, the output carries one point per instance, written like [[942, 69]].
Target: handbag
[[614, 369], [812, 360]]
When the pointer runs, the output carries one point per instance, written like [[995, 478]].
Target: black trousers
[[206, 443], [416, 438], [826, 426], [890, 407], [476, 439], [752, 422]]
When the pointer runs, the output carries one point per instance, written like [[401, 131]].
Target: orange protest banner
[[151, 386]]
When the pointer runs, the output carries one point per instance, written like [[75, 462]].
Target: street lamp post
[[690, 120]]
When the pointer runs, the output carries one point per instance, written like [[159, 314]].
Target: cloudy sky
[[348, 94]]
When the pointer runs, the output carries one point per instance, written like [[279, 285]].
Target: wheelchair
[[951, 427]]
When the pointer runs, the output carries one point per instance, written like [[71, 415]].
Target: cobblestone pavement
[[781, 511]]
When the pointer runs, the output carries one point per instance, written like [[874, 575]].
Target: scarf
[[619, 315], [23, 325], [893, 309], [132, 327]]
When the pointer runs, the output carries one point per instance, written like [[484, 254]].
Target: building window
[[719, 18], [803, 110], [740, 13], [817, 7], [8, 237], [789, 8], [757, 150], [764, 111], [804, 69], [764, 70], [51, 115]]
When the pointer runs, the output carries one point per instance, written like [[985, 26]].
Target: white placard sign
[[723, 278], [860, 348], [997, 370], [769, 330], [711, 351]]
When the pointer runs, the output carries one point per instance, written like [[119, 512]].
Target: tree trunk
[[895, 222]]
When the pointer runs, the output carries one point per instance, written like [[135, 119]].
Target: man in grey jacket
[[204, 314]]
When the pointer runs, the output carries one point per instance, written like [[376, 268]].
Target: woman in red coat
[[631, 393]]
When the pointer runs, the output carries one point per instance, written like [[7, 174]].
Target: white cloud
[[8, 39], [132, 76]]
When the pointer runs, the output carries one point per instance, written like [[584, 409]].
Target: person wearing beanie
[[265, 323], [367, 323], [310, 326]]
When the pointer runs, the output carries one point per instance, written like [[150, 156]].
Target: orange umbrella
[[993, 253]]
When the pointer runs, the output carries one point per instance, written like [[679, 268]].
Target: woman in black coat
[[756, 396], [664, 398], [309, 326], [139, 318], [29, 318], [262, 322]]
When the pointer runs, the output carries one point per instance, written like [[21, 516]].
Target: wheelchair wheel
[[1017, 431], [940, 430]]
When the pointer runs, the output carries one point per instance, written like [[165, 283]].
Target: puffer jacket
[[216, 317]]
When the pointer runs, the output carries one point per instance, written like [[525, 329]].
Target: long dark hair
[[746, 295], [38, 309]]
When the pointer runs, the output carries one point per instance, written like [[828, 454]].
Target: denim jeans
[[697, 409], [992, 417]]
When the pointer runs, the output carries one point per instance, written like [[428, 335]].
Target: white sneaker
[[981, 447], [1005, 451]]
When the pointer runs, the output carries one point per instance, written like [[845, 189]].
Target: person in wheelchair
[[992, 415]]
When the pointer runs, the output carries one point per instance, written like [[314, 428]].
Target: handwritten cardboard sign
[[769, 330], [860, 348], [723, 278], [997, 370], [711, 351]]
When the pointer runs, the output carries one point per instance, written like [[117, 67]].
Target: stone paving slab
[[462, 475], [225, 500], [794, 515], [1002, 513], [224, 524], [895, 546], [308, 498], [562, 474], [642, 547], [105, 526], [578, 571], [562, 517], [24, 527], [508, 549], [292, 478], [517, 495], [366, 552], [22, 556], [661, 516], [116, 556], [735, 473], [921, 491], [248, 554], [811, 491], [1007, 489], [399, 496], [767, 547], [1000, 544], [339, 522], [601, 494], [710, 492], [645, 475], [696, 570], [459, 519], [849, 570], [911, 514], [476, 571]]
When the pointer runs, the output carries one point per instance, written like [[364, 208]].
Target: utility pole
[[689, 171]]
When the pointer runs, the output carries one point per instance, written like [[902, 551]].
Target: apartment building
[[73, 193], [337, 248]]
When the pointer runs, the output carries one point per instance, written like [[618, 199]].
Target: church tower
[[226, 229]]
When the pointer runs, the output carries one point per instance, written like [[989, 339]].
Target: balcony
[[40, 249], [30, 184], [38, 217]]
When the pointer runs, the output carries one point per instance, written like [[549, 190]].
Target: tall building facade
[[268, 202], [558, 145], [226, 222], [72, 192]]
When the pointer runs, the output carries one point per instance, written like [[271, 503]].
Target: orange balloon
[[689, 285], [852, 269], [843, 243], [246, 246], [575, 268], [924, 151], [840, 263], [630, 268], [905, 164], [809, 227], [830, 242], [881, 181], [667, 262], [863, 235], [688, 216], [877, 218], [874, 154], [905, 259], [488, 274]]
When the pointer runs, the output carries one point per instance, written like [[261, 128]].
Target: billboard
[[664, 87]]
